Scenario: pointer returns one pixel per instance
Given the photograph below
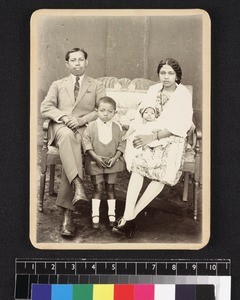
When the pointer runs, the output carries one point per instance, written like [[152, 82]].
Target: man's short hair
[[76, 50], [107, 99]]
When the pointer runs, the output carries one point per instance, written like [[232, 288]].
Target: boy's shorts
[[109, 178]]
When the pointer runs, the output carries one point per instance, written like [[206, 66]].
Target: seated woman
[[162, 164]]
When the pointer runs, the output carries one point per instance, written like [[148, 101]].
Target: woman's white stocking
[[134, 188], [153, 189]]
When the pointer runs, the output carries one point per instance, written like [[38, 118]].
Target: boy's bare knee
[[109, 187], [98, 188]]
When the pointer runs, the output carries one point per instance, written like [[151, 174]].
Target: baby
[[146, 125]]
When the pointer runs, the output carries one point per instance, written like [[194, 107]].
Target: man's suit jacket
[[60, 101]]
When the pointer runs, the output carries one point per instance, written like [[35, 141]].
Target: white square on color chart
[[164, 291]]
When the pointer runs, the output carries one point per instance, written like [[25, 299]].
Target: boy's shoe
[[95, 225], [111, 221]]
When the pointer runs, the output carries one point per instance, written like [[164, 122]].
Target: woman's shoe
[[95, 225], [125, 227], [111, 221]]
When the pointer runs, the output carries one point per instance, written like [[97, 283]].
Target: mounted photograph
[[120, 129]]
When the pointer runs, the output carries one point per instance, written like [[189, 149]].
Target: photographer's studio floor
[[166, 220]]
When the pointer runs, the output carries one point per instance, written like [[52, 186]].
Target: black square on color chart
[[21, 287], [205, 292]]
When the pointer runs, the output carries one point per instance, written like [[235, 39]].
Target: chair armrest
[[46, 124], [198, 134], [193, 137]]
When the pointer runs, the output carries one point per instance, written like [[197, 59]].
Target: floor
[[166, 220]]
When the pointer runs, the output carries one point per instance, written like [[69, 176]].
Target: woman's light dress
[[164, 162]]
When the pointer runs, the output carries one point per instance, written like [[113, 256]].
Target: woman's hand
[[124, 137], [142, 140]]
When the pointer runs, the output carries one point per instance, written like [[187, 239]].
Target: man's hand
[[64, 119], [81, 122], [72, 122], [142, 140]]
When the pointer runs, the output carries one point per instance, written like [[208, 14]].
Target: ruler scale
[[114, 272]]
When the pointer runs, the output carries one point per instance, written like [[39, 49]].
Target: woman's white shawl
[[176, 116]]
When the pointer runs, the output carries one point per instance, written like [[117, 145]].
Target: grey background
[[121, 46]]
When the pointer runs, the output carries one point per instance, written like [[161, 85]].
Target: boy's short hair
[[107, 99]]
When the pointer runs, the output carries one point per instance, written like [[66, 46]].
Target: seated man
[[70, 103]]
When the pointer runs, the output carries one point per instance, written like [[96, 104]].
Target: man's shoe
[[79, 193], [68, 226]]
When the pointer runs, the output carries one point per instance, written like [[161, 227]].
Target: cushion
[[127, 105], [189, 156]]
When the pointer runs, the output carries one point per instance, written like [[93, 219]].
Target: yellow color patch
[[103, 292]]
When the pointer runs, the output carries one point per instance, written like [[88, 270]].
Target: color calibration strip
[[70, 274], [122, 292]]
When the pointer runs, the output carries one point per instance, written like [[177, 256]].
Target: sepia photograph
[[120, 129]]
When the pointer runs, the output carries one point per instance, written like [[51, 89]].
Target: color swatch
[[122, 292]]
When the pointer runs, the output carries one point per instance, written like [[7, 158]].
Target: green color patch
[[82, 292]]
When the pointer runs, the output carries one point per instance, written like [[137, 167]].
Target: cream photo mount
[[124, 49]]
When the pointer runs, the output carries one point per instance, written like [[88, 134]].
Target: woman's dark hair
[[174, 64], [106, 99], [76, 50]]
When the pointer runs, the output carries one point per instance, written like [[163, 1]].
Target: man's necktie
[[76, 87]]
